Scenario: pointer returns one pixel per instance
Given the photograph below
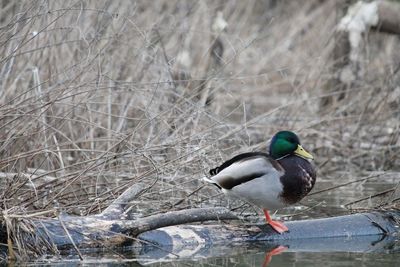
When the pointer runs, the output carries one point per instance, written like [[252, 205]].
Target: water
[[294, 259], [334, 252], [300, 259]]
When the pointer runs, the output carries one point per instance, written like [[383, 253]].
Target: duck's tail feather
[[208, 180]]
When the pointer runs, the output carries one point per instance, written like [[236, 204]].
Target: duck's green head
[[286, 143]]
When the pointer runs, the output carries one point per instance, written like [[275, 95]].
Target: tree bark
[[366, 232], [347, 56], [95, 232], [389, 17]]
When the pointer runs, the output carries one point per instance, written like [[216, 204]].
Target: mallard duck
[[269, 181]]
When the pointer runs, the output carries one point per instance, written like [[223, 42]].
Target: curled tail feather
[[214, 171], [208, 180]]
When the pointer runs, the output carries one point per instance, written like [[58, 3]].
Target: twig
[[344, 184], [369, 197], [177, 217], [117, 207], [70, 238], [26, 216], [190, 194], [302, 211]]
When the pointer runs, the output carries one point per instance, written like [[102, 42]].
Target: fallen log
[[362, 232], [98, 232], [360, 224], [166, 232], [82, 233]]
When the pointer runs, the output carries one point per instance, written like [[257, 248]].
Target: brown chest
[[298, 179]]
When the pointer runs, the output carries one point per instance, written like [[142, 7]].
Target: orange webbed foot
[[276, 225]]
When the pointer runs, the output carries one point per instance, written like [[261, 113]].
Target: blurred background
[[96, 96]]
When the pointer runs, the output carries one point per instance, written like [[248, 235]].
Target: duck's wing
[[236, 159], [244, 168]]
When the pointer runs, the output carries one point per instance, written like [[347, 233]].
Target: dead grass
[[88, 105]]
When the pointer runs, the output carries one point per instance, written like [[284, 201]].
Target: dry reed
[[89, 104]]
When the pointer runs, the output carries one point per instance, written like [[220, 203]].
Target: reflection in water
[[327, 250], [362, 251], [273, 252], [254, 258]]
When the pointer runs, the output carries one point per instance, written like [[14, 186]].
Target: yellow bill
[[300, 151]]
